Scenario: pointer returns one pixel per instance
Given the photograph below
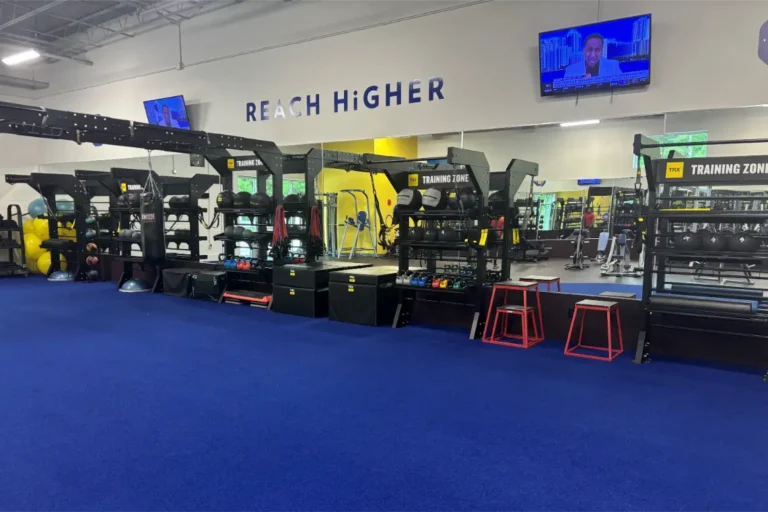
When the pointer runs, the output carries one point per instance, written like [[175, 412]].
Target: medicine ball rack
[[716, 308], [12, 225], [101, 184], [49, 185], [465, 170]]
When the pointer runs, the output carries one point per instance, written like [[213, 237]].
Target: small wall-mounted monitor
[[170, 112], [606, 55]]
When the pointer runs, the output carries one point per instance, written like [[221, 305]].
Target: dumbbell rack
[[49, 185], [701, 309], [12, 225]]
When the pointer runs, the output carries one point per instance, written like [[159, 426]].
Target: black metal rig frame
[[31, 121], [49, 186], [194, 188], [661, 258], [101, 184], [468, 169]]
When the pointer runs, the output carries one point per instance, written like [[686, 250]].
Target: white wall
[[487, 54], [563, 154]]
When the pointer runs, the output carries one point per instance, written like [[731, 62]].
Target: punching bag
[[152, 232]]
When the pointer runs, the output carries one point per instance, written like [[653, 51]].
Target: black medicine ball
[[415, 234], [225, 200], [261, 201], [447, 235], [467, 199], [409, 200], [430, 235], [242, 199], [434, 199], [133, 198], [292, 198]]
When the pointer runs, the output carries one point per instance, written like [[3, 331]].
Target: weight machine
[[618, 262]]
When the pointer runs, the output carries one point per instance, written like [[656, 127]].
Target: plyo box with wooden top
[[302, 289], [364, 296]]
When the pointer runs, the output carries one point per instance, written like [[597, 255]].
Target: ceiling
[[68, 29]]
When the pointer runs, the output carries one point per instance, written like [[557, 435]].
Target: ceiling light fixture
[[579, 123], [18, 58]]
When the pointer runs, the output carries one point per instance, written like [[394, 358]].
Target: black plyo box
[[363, 296], [176, 281], [300, 301], [310, 275]]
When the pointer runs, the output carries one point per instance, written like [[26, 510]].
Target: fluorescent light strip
[[580, 123], [18, 58]]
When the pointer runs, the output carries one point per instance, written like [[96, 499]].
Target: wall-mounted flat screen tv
[[606, 55], [170, 112]]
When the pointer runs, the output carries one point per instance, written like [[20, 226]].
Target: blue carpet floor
[[137, 402]]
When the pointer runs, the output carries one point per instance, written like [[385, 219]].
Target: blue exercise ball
[[37, 208]]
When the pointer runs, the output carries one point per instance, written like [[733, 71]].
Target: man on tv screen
[[593, 64], [167, 120]]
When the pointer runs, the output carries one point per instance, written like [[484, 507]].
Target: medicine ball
[[743, 242], [248, 234], [448, 235], [175, 202], [292, 198], [122, 201], [467, 198], [409, 200], [242, 200], [261, 201], [434, 199], [136, 236], [713, 242], [430, 235], [496, 203], [125, 234], [687, 241], [225, 199], [134, 199], [229, 231], [238, 231], [415, 234]]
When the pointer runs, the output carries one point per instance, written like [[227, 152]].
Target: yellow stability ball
[[44, 263], [41, 228], [29, 226], [32, 266], [32, 246]]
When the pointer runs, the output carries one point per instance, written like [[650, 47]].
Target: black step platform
[[302, 289], [364, 296]]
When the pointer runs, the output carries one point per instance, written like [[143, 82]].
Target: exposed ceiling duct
[[23, 83], [67, 29]]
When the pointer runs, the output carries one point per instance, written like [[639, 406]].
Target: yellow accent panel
[[333, 180]]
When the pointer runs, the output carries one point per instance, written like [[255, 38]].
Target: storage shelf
[[245, 212], [428, 289], [436, 245], [707, 216], [712, 255], [437, 214]]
